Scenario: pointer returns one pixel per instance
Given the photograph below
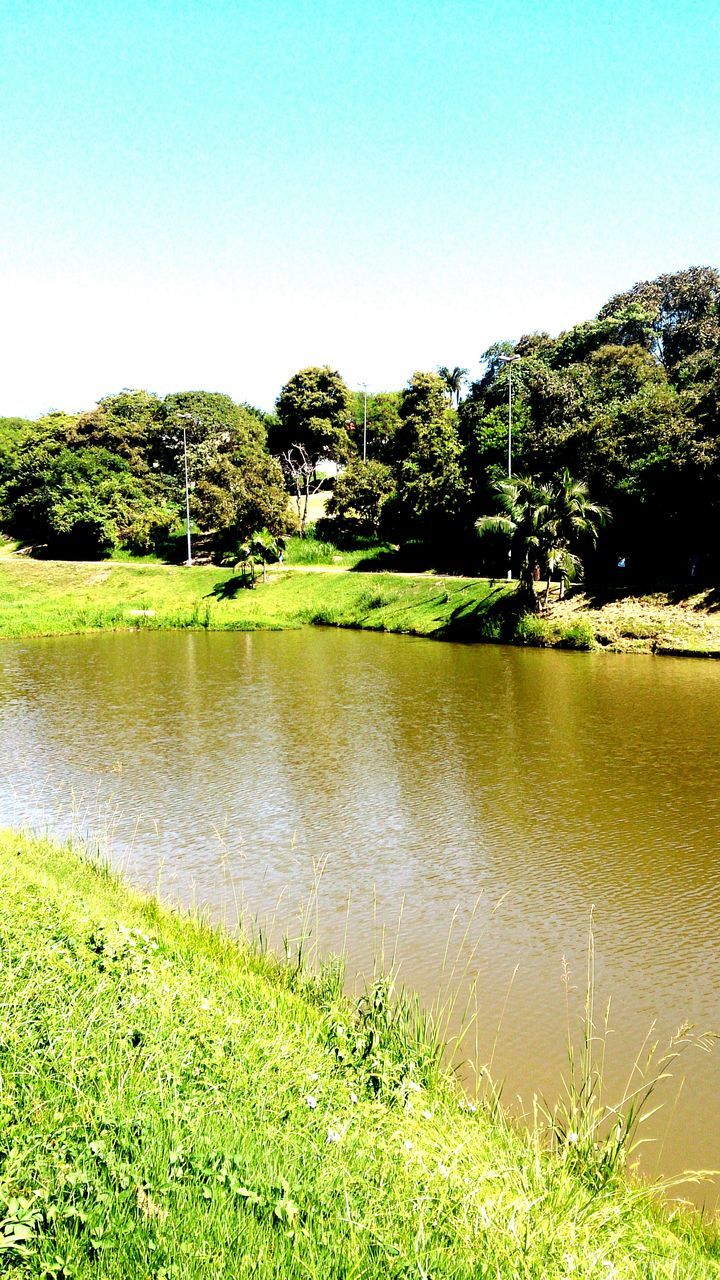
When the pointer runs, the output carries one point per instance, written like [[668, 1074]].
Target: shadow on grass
[[415, 557], [230, 588], [711, 596], [679, 593], [495, 617]]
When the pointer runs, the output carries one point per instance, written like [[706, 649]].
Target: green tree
[[236, 486], [360, 494], [383, 421], [80, 502], [684, 307], [548, 524], [523, 518], [572, 520], [431, 503], [453, 379], [259, 548], [313, 411], [126, 424]]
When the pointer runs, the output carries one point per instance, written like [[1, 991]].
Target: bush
[[532, 630], [579, 635]]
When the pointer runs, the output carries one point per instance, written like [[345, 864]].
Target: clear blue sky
[[216, 193]]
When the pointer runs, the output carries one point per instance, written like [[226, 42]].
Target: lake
[[458, 809]]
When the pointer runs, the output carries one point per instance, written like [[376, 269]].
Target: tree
[[299, 471], [522, 518], [265, 549], [572, 519], [453, 379], [684, 307], [313, 412], [236, 486], [259, 548], [126, 424], [80, 502], [357, 501], [548, 524], [432, 495], [383, 421]]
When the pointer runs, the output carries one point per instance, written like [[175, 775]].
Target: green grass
[[50, 598], [176, 1105], [313, 551], [57, 597]]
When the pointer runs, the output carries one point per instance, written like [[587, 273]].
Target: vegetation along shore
[[178, 1104], [53, 598]]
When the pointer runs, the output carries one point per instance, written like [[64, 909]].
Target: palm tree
[[260, 548], [546, 523], [453, 379], [575, 519], [523, 518]]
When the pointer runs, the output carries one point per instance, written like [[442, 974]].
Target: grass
[[319, 585], [677, 623], [50, 598], [313, 551], [177, 1105]]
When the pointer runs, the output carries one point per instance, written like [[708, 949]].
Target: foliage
[[432, 496], [358, 499], [83, 485], [684, 310], [260, 548], [453, 379], [547, 523], [383, 420], [81, 502], [628, 402], [313, 412]]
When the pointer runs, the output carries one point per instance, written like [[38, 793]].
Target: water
[[499, 794]]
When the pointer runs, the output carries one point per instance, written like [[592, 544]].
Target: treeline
[[628, 402], [83, 485]]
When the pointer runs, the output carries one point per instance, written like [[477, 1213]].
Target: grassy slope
[[158, 1083], [46, 598]]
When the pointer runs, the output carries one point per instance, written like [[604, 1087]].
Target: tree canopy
[[627, 402], [313, 410]]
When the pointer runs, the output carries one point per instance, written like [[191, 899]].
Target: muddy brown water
[[486, 795]]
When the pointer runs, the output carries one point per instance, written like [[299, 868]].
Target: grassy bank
[[49, 598], [54, 597], [176, 1105]]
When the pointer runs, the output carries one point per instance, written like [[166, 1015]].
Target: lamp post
[[364, 387], [184, 418], [509, 361]]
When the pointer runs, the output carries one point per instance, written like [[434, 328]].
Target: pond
[[458, 810]]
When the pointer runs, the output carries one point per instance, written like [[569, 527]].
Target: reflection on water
[[232, 769]]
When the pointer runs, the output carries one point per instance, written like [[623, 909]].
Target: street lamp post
[[187, 417], [364, 387], [509, 361]]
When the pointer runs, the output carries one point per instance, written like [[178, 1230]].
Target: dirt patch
[[656, 623]]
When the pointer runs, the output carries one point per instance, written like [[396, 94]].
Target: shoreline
[[197, 1102], [45, 598]]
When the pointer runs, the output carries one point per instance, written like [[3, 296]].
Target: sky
[[215, 193]]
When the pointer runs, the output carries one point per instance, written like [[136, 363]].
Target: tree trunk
[[527, 593], [303, 518], [547, 590]]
